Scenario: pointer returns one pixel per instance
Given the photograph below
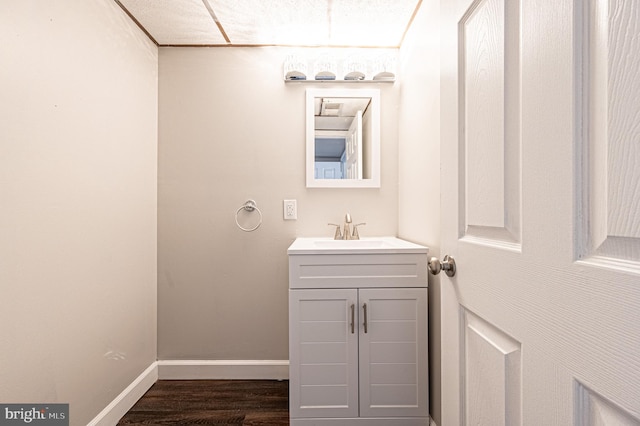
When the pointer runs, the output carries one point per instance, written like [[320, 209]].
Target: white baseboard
[[127, 398], [223, 369]]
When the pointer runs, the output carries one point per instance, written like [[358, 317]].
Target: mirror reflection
[[343, 138]]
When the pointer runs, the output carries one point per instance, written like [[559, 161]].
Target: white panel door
[[323, 346], [540, 115], [393, 352], [353, 148], [328, 170]]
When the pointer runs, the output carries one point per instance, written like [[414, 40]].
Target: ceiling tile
[[280, 22], [356, 23], [171, 22], [333, 23], [370, 22]]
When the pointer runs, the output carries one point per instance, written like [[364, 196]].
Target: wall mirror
[[343, 138]]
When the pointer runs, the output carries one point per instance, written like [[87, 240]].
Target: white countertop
[[367, 245]]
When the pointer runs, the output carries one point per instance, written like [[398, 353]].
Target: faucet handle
[[355, 235], [338, 234], [347, 218]]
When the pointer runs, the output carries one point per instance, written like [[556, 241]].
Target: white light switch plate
[[290, 210]]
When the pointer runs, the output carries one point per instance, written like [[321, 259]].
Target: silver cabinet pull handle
[[353, 317], [364, 308]]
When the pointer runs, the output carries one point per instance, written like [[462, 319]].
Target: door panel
[[483, 76], [609, 146], [489, 137], [353, 148], [492, 362], [541, 324], [328, 170], [594, 410]]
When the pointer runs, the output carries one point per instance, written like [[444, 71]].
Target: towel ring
[[249, 206]]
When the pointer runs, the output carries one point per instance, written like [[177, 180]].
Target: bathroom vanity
[[358, 332]]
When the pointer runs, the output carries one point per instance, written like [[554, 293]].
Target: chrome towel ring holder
[[249, 206]]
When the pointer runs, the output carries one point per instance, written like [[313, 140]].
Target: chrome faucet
[[347, 233]]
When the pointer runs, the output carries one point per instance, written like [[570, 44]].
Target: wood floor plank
[[212, 402]]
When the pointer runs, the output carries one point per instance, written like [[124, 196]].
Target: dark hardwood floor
[[212, 402]]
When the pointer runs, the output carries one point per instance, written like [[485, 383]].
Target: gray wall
[[230, 130], [419, 154], [78, 150]]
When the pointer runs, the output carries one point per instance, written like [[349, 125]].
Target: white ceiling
[[331, 23]]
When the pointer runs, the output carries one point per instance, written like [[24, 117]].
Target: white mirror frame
[[374, 180]]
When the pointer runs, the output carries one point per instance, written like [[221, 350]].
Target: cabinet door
[[393, 352], [323, 353]]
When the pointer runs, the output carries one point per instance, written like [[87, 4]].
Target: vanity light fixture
[[325, 67], [356, 67], [295, 68]]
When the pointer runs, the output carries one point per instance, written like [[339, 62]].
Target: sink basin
[[325, 245]]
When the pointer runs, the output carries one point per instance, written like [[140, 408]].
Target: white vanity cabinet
[[358, 337]]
